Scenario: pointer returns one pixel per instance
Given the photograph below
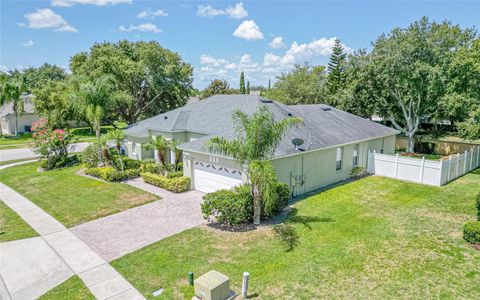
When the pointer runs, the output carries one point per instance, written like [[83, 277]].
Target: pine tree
[[248, 87], [268, 83], [242, 83], [336, 68]]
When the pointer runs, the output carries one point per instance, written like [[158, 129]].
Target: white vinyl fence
[[423, 171]]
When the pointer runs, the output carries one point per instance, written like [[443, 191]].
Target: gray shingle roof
[[323, 126]]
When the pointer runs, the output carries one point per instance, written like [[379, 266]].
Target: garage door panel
[[209, 178]]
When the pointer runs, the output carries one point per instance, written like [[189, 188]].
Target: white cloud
[[237, 11], [146, 27], [4, 69], [29, 43], [209, 11], [151, 14], [277, 42], [69, 3], [46, 18], [299, 53], [249, 31]]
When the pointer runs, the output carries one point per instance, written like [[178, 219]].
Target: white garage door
[[209, 178]]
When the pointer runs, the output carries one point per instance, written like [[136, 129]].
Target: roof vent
[[326, 109], [165, 117], [290, 114]]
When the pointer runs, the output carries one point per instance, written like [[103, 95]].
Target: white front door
[[209, 177]]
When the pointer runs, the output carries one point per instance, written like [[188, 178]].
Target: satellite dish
[[297, 142]]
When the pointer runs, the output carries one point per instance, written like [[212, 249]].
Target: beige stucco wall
[[311, 170]]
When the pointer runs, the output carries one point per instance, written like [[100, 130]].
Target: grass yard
[[373, 238], [71, 289], [70, 198], [12, 227], [7, 162]]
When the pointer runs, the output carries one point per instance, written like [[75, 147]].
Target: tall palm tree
[[159, 144], [11, 92], [258, 136]]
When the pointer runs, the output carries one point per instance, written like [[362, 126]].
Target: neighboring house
[[334, 142], [25, 118]]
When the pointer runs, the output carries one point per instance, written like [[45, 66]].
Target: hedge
[[176, 185], [471, 232], [110, 174], [234, 206]]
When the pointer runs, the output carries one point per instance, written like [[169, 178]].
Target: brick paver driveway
[[116, 235]]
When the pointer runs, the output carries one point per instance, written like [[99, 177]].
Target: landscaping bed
[[70, 198], [12, 226], [372, 238], [172, 184]]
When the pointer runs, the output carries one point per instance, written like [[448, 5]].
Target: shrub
[[477, 204], [471, 232], [111, 174], [357, 171], [176, 185], [89, 156], [129, 163], [231, 207], [175, 174], [287, 234], [52, 145], [151, 168], [282, 195]]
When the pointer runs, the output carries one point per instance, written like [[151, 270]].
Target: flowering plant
[[51, 144]]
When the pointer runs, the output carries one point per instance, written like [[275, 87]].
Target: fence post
[[441, 172], [396, 164], [449, 167], [465, 162], [422, 170], [458, 163], [478, 155], [471, 159]]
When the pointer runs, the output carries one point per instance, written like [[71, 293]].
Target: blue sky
[[220, 39]]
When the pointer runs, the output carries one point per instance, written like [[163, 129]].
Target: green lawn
[[375, 238], [72, 289], [70, 198], [7, 162], [12, 227]]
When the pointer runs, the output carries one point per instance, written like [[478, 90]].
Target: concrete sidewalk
[[116, 235], [101, 279]]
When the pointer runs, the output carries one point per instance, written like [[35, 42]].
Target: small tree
[[258, 137], [118, 136], [51, 144], [159, 144], [178, 153], [248, 88], [242, 83]]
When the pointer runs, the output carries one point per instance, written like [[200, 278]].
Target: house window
[[355, 155], [339, 158]]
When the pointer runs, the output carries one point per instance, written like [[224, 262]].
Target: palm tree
[[159, 144], [118, 136], [258, 136], [11, 92], [94, 114], [178, 153]]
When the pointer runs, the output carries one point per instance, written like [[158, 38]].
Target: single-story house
[[25, 118], [334, 142]]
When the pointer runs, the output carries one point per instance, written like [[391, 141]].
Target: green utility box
[[212, 286]]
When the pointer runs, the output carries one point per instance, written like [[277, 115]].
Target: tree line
[[123, 81]]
